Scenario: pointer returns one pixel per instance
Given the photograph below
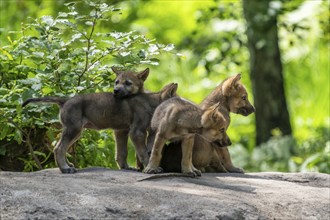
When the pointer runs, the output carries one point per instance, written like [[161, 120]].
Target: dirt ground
[[98, 193]]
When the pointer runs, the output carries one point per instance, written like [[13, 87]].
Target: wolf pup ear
[[212, 112], [143, 75], [115, 70], [169, 91], [215, 107], [217, 117], [173, 89], [230, 84], [234, 82], [215, 111]]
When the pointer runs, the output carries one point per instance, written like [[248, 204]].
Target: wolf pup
[[138, 118], [204, 157], [233, 97], [178, 119], [102, 111]]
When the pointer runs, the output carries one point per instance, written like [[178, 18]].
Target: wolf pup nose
[[229, 142], [118, 92], [253, 109], [224, 142], [245, 111]]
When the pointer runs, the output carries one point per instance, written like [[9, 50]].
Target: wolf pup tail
[[58, 100]]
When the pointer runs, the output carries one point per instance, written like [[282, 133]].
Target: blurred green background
[[194, 43]]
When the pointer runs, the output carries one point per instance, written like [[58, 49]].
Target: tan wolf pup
[[179, 119], [105, 110], [204, 157], [233, 97]]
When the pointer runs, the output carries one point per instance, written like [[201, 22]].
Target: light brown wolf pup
[[179, 119], [128, 117], [204, 158], [214, 157]]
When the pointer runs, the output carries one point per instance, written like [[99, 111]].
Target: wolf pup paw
[[193, 172], [153, 170], [68, 170], [197, 172], [235, 170]]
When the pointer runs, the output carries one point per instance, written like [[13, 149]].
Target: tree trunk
[[266, 70]]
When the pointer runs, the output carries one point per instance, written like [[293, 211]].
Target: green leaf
[[46, 90], [38, 153], [36, 87], [76, 36], [70, 4], [3, 91], [10, 57], [169, 47], [89, 23], [54, 28], [41, 29], [62, 15], [18, 136], [4, 132], [47, 19], [297, 160], [39, 54]]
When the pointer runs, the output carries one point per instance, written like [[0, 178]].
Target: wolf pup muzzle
[[223, 143], [246, 110], [120, 92]]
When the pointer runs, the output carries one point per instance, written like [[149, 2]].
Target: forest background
[[62, 48]]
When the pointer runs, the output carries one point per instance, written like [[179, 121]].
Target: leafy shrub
[[284, 153], [63, 56]]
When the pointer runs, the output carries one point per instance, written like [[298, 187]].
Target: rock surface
[[98, 193]]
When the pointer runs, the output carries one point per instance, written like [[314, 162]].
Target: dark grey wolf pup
[[128, 117]]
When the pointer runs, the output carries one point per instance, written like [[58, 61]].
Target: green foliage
[[306, 67], [218, 39], [48, 57], [62, 56], [95, 149], [286, 154], [214, 54]]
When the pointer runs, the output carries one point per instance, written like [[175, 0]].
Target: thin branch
[[87, 51], [93, 85], [28, 142], [35, 158]]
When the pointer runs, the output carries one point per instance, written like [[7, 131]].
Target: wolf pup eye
[[116, 82], [222, 130], [244, 97], [128, 83]]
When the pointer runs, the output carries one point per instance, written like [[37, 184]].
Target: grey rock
[[99, 193]]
